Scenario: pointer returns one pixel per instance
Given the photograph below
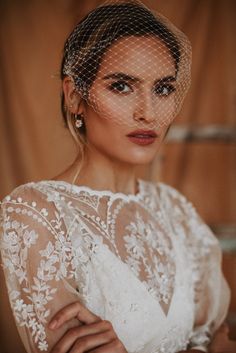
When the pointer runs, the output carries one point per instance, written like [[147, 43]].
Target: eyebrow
[[123, 76]]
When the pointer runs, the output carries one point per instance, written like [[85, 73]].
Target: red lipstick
[[142, 137]]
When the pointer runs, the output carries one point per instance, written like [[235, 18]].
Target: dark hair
[[92, 36]]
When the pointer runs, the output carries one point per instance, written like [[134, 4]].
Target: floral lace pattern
[[61, 242], [160, 273]]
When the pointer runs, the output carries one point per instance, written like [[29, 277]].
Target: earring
[[78, 120]]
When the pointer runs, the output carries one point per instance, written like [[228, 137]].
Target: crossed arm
[[95, 335]]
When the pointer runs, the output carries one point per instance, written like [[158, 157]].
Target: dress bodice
[[145, 262]]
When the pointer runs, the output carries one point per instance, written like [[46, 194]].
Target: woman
[[97, 260]]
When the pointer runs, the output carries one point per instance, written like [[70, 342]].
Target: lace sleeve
[[211, 291], [39, 265]]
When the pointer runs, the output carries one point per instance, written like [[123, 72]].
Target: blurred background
[[199, 155]]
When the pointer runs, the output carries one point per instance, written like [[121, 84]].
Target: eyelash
[[170, 88], [114, 86], [159, 88]]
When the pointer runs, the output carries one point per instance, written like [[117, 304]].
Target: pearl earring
[[78, 120]]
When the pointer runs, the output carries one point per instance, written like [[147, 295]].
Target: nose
[[145, 109]]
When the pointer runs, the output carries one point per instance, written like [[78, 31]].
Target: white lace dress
[[145, 262]]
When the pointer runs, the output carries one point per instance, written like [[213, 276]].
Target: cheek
[[165, 109], [116, 108], [105, 136]]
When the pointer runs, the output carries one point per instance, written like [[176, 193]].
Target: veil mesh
[[129, 63]]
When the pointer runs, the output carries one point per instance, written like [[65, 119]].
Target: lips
[[142, 133], [142, 137]]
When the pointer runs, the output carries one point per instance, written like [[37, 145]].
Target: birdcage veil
[[114, 33]]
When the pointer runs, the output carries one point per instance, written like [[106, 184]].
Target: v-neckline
[[105, 246], [142, 283]]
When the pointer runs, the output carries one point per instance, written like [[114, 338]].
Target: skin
[[92, 334], [109, 150], [111, 153], [221, 342]]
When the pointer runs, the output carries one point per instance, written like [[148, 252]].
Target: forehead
[[138, 56]]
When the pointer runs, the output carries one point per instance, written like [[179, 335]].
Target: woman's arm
[[203, 255], [91, 335], [44, 276], [221, 342], [39, 265], [9, 336], [211, 290], [90, 325]]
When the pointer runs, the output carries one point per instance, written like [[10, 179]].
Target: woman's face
[[131, 101]]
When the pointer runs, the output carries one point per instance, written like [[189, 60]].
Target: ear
[[73, 100]]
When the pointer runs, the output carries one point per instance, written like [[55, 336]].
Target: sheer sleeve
[[39, 265], [211, 291]]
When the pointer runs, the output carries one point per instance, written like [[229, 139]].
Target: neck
[[103, 173]]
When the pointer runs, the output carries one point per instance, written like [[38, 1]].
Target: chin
[[139, 159]]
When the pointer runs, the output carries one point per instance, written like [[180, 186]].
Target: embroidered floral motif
[[58, 239], [146, 241]]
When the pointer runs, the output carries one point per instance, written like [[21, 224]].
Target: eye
[[164, 89], [120, 87]]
